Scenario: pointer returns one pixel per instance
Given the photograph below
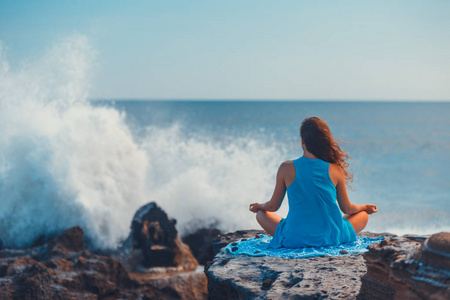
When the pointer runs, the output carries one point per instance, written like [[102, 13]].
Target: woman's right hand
[[370, 208], [255, 207]]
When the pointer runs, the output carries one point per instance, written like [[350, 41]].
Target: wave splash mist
[[199, 182], [64, 162]]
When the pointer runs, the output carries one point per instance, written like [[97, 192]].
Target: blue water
[[401, 150]]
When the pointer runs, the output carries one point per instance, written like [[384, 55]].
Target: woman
[[313, 183]]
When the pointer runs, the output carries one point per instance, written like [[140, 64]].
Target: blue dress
[[314, 218]]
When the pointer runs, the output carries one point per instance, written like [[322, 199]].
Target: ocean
[[68, 161], [222, 155]]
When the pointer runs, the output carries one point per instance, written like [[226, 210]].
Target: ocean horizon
[[395, 146]]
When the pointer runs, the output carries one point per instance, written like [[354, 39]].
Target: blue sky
[[305, 50]]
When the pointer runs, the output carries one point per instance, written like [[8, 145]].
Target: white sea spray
[[195, 179], [65, 162]]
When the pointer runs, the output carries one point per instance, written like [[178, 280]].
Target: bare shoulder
[[288, 163], [287, 171], [335, 168], [287, 166], [336, 173]]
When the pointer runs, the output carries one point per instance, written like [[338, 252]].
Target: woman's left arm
[[278, 194], [344, 202]]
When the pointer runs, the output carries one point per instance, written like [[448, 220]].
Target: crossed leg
[[268, 221], [358, 220]]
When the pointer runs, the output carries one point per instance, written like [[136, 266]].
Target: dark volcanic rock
[[154, 242], [408, 267], [61, 268], [200, 243], [244, 277], [70, 240], [154, 233]]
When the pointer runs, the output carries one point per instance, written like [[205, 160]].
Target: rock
[[61, 268], [200, 243], [154, 233], [183, 285], [408, 267], [69, 240], [64, 244], [224, 239], [244, 277], [154, 242], [436, 251], [23, 280]]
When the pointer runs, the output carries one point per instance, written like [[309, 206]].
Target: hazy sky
[[349, 50]]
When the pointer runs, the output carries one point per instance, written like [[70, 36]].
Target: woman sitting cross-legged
[[313, 183]]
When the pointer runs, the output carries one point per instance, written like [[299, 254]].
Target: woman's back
[[314, 218]]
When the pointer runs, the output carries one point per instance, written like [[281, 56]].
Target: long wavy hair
[[319, 141]]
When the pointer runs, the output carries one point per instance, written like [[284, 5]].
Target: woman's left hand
[[255, 207], [370, 208]]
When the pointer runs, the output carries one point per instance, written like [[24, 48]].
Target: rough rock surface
[[154, 242], [408, 267], [243, 277], [62, 268]]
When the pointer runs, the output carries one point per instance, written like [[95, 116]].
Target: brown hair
[[318, 140]]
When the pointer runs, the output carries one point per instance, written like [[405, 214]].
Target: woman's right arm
[[344, 202], [278, 194]]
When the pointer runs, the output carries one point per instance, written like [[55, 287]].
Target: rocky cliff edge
[[408, 267]]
